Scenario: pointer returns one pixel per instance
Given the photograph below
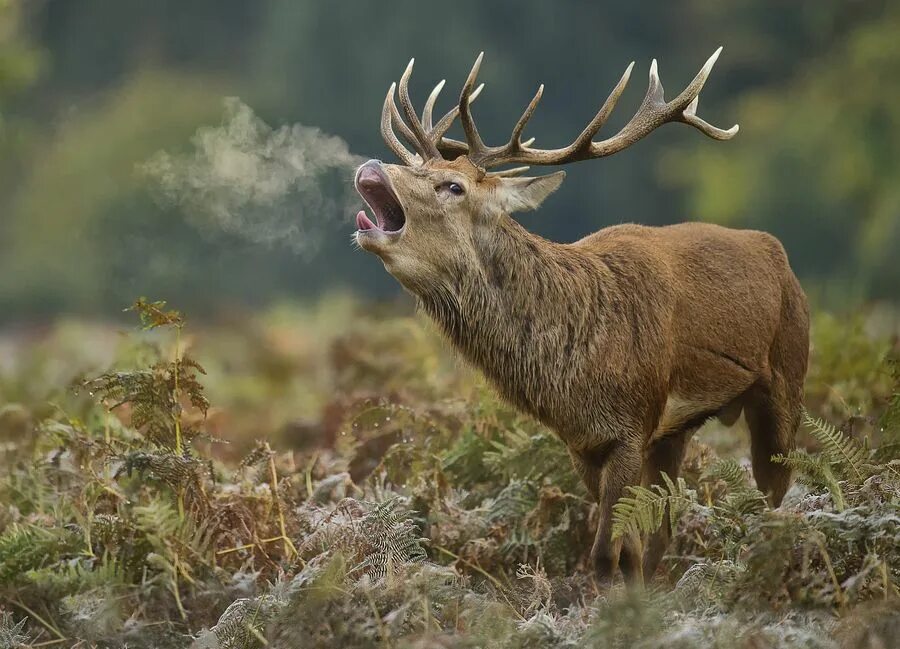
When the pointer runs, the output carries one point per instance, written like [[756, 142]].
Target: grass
[[332, 477]]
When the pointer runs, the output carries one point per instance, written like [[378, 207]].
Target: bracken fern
[[844, 453], [643, 510], [814, 471]]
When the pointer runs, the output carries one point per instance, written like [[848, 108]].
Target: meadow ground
[[331, 477]]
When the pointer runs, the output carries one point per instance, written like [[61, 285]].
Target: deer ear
[[521, 194]]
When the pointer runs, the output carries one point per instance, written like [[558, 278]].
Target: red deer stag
[[625, 342]]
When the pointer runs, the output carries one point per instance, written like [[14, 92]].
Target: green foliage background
[[91, 89]]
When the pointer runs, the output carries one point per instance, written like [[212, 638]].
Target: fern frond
[[743, 503], [530, 455], [261, 452], [815, 472], [393, 540], [28, 547], [80, 574], [157, 520], [728, 471], [174, 470], [12, 633], [740, 499], [154, 314], [242, 623], [679, 498], [642, 511], [838, 449], [164, 528], [188, 382], [639, 512], [517, 539], [156, 394], [708, 580], [513, 502]]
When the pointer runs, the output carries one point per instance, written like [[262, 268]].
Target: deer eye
[[456, 189]]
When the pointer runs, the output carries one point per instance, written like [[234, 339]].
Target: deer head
[[431, 211]]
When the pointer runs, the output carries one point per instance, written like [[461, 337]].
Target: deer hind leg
[[775, 405], [773, 417], [607, 470], [588, 472]]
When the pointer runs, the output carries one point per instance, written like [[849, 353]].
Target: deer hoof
[[604, 570]]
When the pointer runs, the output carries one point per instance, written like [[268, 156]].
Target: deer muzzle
[[388, 218]]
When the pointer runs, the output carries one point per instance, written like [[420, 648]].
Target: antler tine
[[398, 123], [587, 135], [509, 173], [690, 117], [454, 148], [651, 114], [387, 131], [429, 105], [422, 142], [476, 145], [515, 138], [689, 94], [445, 122]]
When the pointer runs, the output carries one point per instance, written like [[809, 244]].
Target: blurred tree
[[20, 64], [90, 89], [817, 162], [67, 225], [19, 61]]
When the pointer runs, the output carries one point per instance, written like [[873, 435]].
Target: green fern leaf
[[643, 510], [815, 472], [728, 471], [838, 449], [639, 512]]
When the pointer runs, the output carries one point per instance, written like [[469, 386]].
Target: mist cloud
[[279, 186]]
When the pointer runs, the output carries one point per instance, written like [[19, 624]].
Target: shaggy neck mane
[[519, 312]]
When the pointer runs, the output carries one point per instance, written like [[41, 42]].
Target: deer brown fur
[[624, 343]]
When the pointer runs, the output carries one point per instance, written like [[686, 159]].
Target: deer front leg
[[664, 455], [607, 470]]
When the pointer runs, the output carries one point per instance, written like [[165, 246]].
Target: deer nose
[[370, 173], [368, 169]]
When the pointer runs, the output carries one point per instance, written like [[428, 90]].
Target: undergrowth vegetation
[[338, 481]]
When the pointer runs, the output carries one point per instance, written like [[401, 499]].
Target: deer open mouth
[[375, 188]]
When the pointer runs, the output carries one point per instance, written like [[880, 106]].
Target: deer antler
[[653, 112], [430, 141], [426, 138]]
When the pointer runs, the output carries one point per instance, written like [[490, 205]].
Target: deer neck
[[511, 313]]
